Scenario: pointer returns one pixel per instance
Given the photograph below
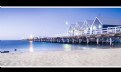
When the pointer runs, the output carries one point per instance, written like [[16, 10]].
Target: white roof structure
[[79, 25], [109, 21], [72, 27], [87, 24]]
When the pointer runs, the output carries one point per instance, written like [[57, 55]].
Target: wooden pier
[[105, 35]]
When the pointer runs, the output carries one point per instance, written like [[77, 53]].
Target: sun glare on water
[[67, 47], [31, 46]]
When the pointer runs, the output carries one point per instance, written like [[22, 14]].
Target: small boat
[[4, 51], [15, 49]]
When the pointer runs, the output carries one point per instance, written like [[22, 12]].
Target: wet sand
[[93, 57]]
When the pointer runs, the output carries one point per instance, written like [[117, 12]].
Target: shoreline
[[91, 57]]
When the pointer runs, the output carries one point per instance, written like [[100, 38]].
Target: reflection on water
[[31, 46], [86, 47], [25, 46], [67, 47]]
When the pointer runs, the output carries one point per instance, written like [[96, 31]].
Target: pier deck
[[108, 35]]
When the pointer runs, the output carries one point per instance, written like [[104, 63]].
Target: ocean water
[[29, 46]]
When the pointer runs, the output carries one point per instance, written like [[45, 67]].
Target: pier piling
[[87, 40], [97, 41], [110, 41]]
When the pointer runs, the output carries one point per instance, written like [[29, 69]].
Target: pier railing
[[109, 30]]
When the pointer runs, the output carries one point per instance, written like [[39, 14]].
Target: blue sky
[[16, 23]]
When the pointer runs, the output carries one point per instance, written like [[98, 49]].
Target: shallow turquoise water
[[26, 46]]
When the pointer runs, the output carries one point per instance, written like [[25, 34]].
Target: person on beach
[[15, 50]]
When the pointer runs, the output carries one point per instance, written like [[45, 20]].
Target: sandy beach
[[91, 57]]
